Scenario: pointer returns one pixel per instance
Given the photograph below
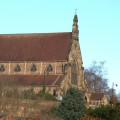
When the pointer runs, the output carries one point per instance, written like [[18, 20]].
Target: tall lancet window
[[33, 68], [2, 68], [17, 68], [64, 68], [74, 74]]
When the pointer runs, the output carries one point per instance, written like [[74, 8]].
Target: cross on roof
[[76, 11]]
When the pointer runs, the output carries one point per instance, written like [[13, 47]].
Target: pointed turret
[[75, 31]]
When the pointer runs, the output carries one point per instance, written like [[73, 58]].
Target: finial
[[76, 11]]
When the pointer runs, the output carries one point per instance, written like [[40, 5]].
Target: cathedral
[[53, 59]]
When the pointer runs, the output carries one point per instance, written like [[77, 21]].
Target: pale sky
[[99, 26]]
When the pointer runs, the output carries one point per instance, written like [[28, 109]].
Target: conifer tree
[[72, 106]]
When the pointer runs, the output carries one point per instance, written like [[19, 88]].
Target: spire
[[75, 31]]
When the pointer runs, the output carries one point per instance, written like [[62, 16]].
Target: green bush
[[106, 112], [53, 110], [88, 117], [30, 94], [33, 96], [118, 104], [48, 96], [72, 106]]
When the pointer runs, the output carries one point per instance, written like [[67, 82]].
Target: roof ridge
[[36, 33]]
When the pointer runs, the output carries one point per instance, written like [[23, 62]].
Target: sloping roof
[[96, 96], [32, 80], [35, 47]]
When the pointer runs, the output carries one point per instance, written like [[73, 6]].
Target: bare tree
[[96, 77]]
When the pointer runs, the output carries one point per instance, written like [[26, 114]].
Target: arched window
[[85, 99], [17, 68], [49, 68], [33, 68], [64, 67], [74, 74], [2, 69]]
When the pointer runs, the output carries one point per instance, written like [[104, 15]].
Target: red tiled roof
[[96, 96], [35, 80], [35, 47]]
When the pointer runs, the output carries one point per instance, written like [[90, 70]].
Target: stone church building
[[52, 59]]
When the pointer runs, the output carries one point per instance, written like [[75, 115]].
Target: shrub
[[88, 117], [53, 110], [72, 106], [29, 94], [106, 112], [48, 96]]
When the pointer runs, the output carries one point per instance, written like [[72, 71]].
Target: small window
[[17, 68], [2, 69], [33, 68], [64, 67], [85, 98], [54, 93], [49, 68]]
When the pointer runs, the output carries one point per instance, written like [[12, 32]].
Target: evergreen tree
[[72, 106]]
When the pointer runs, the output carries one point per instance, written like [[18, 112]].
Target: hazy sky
[[99, 25]]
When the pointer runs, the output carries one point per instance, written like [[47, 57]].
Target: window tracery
[[17, 68], [33, 68], [2, 68], [64, 67], [49, 68]]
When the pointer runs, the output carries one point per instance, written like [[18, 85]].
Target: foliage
[[72, 106], [105, 112], [30, 94], [96, 77], [48, 96], [113, 99], [53, 110], [88, 117], [118, 104], [118, 96]]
